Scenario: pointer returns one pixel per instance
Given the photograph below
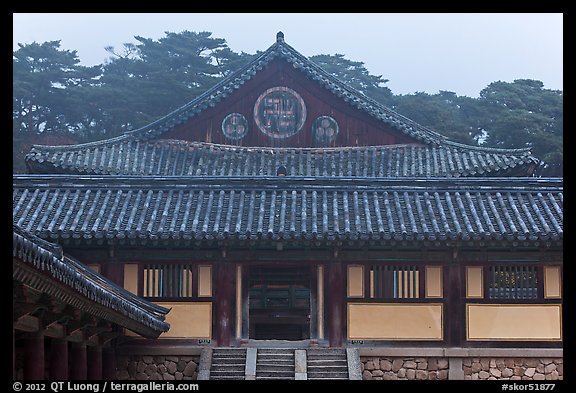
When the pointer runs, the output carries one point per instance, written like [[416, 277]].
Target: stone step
[[219, 373], [222, 367], [272, 378], [265, 351], [226, 378], [327, 362], [327, 374], [273, 367], [325, 357]]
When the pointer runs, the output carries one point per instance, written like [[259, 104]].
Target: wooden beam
[[28, 323]]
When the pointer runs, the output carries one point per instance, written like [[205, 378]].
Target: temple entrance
[[279, 303]]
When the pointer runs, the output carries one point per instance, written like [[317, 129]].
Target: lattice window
[[167, 280], [394, 282], [512, 282]]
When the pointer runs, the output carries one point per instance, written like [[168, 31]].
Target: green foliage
[[53, 95]]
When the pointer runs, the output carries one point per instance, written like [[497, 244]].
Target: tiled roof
[[114, 303], [288, 208], [181, 158], [138, 152]]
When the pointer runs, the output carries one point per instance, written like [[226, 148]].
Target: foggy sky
[[462, 53]]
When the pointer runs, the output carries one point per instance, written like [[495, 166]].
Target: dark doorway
[[279, 303]]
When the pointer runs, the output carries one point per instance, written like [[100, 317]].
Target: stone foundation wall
[[137, 367], [513, 368], [387, 368]]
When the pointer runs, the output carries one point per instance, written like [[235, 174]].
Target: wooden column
[[78, 369], [454, 314], [34, 356], [335, 302], [108, 363], [94, 358], [59, 359], [224, 303]]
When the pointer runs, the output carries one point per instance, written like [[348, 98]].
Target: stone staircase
[[327, 363], [279, 364], [275, 363], [228, 364]]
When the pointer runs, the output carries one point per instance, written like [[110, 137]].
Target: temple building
[[284, 217]]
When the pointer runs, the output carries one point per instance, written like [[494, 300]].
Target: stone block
[[123, 375], [560, 368], [515, 378], [147, 359], [467, 362], [367, 375], [421, 374], [442, 374], [549, 368], [529, 372], [402, 373], [485, 363], [422, 365], [467, 370], [162, 368], [141, 376], [509, 362], [500, 364], [411, 373], [442, 364], [476, 367], [531, 362], [181, 365], [168, 377], [174, 359], [385, 365], [546, 361], [518, 371], [150, 369], [171, 366], [492, 363], [397, 364], [432, 364], [432, 375], [377, 373], [156, 377], [495, 372], [483, 374], [141, 367], [554, 376], [369, 365], [410, 364], [189, 369], [539, 377], [178, 376], [540, 368], [159, 359], [389, 376], [507, 372]]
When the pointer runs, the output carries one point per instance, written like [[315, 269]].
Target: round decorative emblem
[[325, 130], [235, 126], [280, 112]]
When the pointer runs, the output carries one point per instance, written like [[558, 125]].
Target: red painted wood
[[34, 357], [335, 301], [357, 128], [58, 360], [223, 303], [94, 368], [108, 363], [78, 362]]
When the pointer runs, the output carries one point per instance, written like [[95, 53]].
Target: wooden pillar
[[335, 299], [78, 359], [454, 315], [224, 302], [108, 363], [59, 359], [34, 356], [94, 360]]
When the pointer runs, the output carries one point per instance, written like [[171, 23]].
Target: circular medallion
[[235, 126], [325, 130], [280, 112]]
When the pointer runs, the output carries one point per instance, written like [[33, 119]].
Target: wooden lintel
[[106, 337], [55, 330], [28, 323]]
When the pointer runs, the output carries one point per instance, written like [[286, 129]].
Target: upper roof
[[144, 152], [168, 209], [94, 293]]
